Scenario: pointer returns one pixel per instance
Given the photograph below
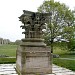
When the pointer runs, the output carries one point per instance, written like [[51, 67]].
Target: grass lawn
[[69, 64], [68, 55], [7, 60], [9, 50]]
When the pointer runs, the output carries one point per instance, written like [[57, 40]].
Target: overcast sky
[[10, 10]]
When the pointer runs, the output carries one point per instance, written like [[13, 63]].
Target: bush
[[71, 45]]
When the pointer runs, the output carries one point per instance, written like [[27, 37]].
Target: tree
[[61, 22], [17, 42]]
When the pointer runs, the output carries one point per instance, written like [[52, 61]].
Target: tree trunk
[[51, 45]]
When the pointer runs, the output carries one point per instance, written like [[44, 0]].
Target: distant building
[[1, 40], [4, 41]]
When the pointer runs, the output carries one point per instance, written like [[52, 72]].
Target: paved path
[[7, 57], [67, 58], [62, 71], [9, 69]]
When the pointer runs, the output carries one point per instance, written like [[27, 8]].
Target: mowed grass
[[9, 50], [69, 64], [7, 60], [68, 55], [63, 53]]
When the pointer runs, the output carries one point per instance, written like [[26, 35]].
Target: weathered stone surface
[[55, 56], [33, 56], [33, 22], [9, 69], [34, 59]]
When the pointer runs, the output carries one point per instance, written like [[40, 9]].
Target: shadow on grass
[[7, 60]]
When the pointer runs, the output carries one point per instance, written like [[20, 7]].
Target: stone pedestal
[[33, 57]]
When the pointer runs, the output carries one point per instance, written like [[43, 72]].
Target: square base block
[[33, 60]]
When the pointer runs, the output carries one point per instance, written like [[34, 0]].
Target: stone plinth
[[33, 57]]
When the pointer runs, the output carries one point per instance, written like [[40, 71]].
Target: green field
[[63, 53], [69, 64], [7, 60], [9, 50]]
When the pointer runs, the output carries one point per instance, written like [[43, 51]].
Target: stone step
[[9, 69]]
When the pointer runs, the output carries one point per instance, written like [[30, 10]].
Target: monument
[[33, 56]]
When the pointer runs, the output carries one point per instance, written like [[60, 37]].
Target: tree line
[[61, 23]]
